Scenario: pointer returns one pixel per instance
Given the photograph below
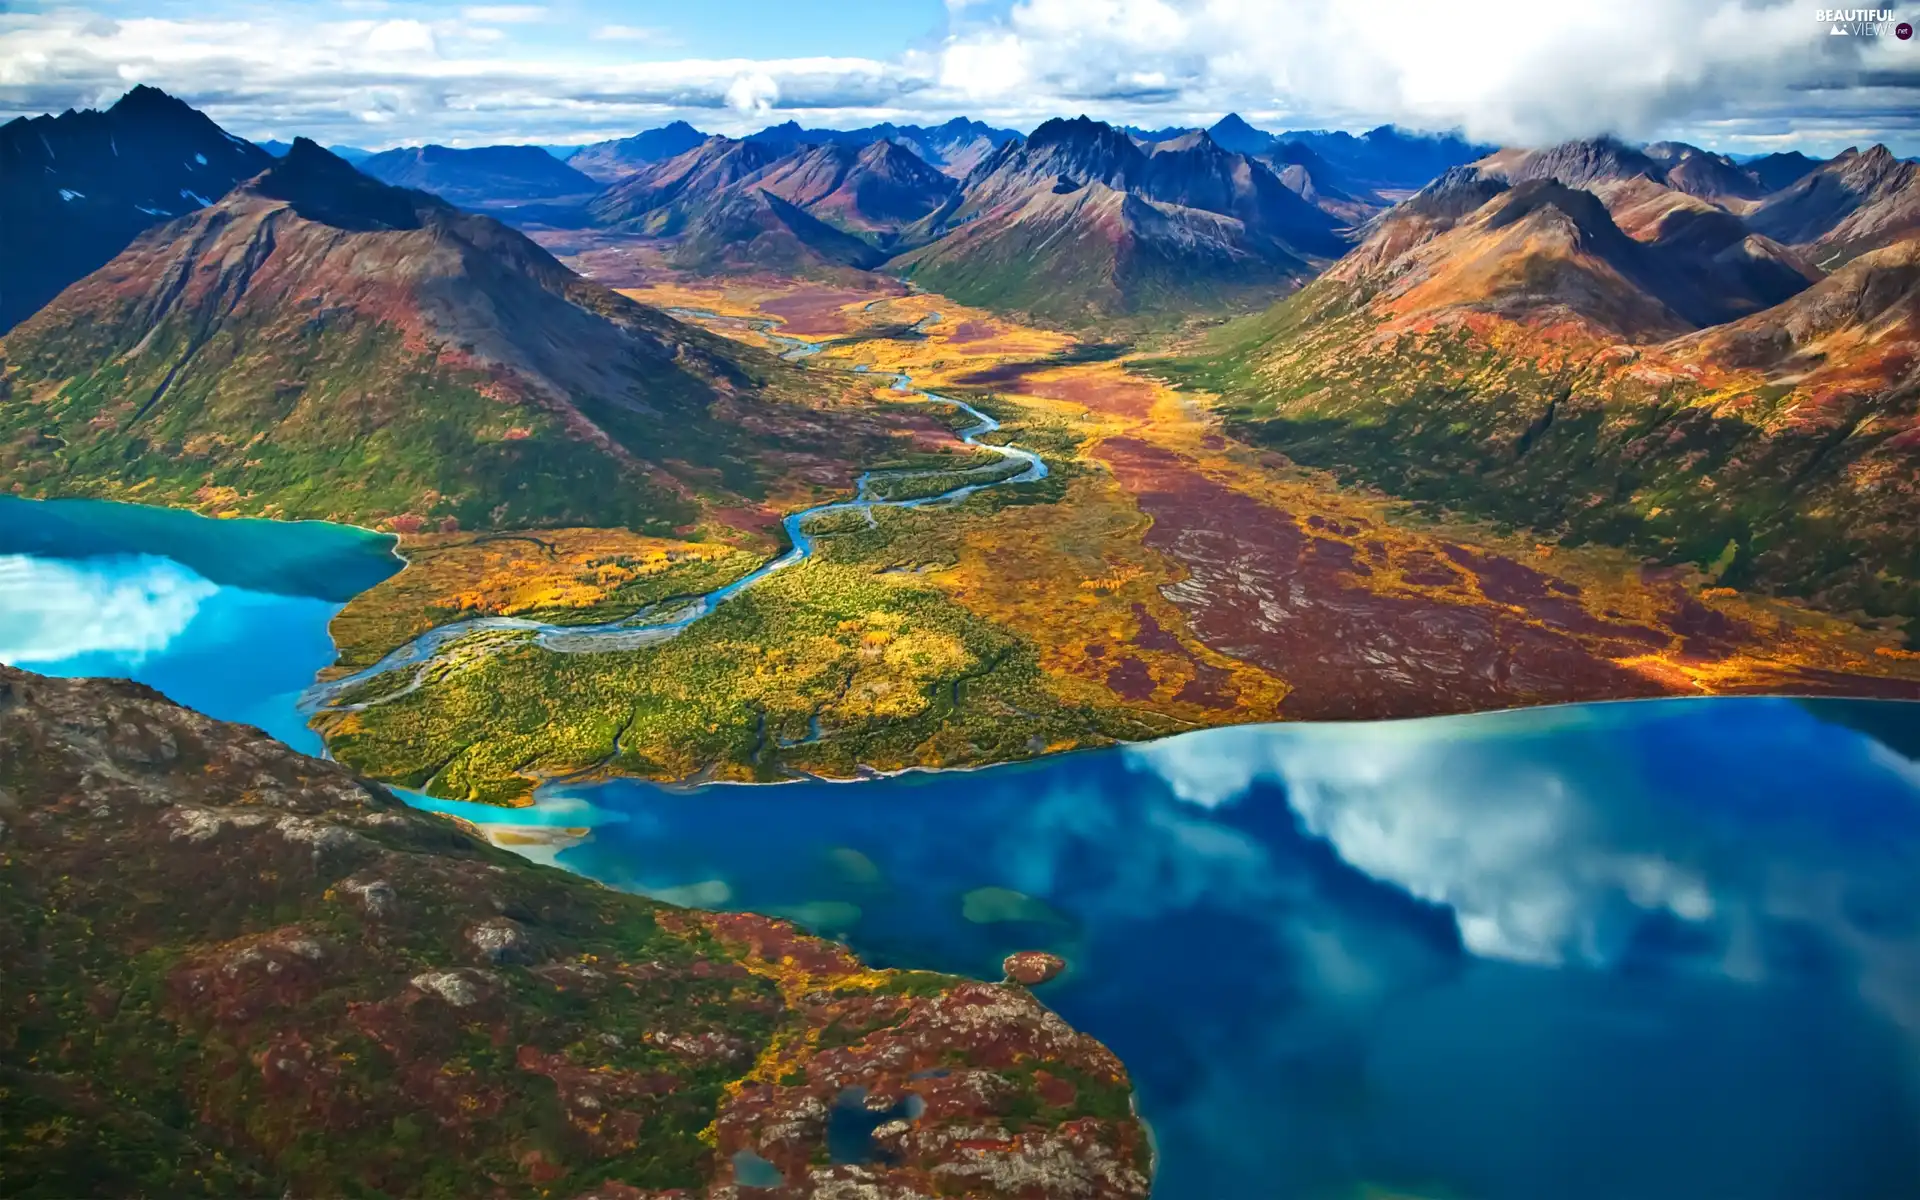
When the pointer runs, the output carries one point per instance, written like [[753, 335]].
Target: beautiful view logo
[[1856, 22]]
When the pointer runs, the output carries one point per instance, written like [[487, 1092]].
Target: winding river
[[661, 621]]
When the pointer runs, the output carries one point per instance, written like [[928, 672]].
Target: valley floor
[[1164, 577]]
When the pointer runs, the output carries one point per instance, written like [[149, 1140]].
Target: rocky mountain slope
[[76, 188], [1079, 222], [1705, 174], [236, 970], [321, 344], [1471, 240], [754, 230], [815, 210], [873, 189], [662, 198], [1854, 203], [1321, 184], [481, 176], [877, 189]]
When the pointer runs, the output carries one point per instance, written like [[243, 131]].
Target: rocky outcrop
[[1031, 968]]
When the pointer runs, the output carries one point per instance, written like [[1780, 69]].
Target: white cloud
[[1743, 74], [505, 14], [401, 38], [128, 607], [754, 92]]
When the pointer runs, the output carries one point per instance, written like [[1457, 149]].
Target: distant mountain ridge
[[814, 208], [353, 154], [1854, 203], [77, 188], [480, 176], [608, 161], [954, 147]]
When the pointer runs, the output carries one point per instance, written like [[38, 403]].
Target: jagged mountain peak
[[1233, 132], [144, 99], [76, 188], [1233, 123], [1081, 132], [1874, 160], [1584, 161], [1458, 192], [323, 187]]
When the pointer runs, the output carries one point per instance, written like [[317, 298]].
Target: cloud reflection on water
[[1611, 836], [125, 606]]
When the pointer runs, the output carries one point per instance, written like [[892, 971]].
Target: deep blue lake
[[1608, 952]]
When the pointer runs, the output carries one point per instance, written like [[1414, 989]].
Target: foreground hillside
[[322, 345], [235, 970], [1683, 387]]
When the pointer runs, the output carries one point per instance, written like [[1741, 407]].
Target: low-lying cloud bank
[[1737, 74]]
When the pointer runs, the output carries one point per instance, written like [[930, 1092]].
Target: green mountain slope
[[323, 345], [1532, 373]]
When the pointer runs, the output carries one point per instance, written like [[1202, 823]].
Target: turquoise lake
[[1648, 950]]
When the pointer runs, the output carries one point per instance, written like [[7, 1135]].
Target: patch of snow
[[196, 197], [153, 212], [49, 145], [113, 145], [70, 194], [201, 159]]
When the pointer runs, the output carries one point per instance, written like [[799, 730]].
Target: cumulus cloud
[[752, 92], [128, 607], [1738, 74]]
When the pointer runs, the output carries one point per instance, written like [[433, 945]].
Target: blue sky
[[1739, 75]]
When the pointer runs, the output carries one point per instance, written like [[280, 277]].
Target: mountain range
[[1079, 222], [1568, 341], [955, 147]]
